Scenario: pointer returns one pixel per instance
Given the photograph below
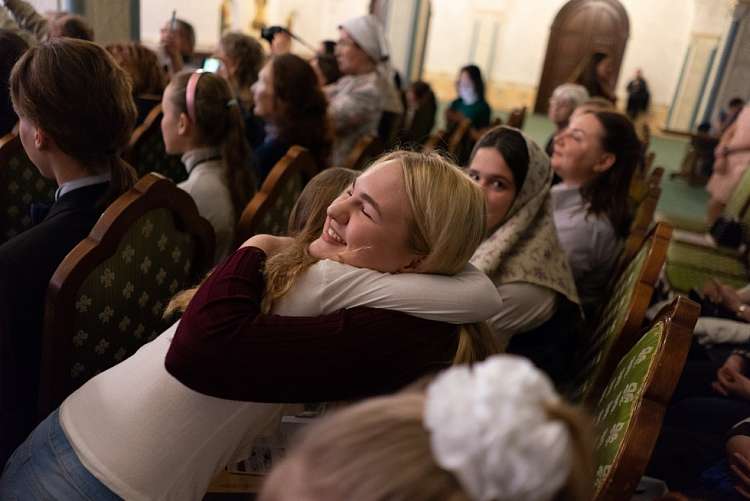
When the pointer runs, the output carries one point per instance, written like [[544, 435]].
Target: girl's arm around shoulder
[[467, 297]]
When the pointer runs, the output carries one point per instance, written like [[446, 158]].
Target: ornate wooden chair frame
[[296, 160], [153, 191], [644, 218], [679, 320], [658, 238], [139, 131], [367, 148]]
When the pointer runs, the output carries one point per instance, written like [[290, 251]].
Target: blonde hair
[[380, 450], [312, 204], [448, 213], [446, 223]]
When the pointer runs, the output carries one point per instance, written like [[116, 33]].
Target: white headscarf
[[370, 37]]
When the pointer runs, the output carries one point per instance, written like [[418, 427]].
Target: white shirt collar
[[80, 183]]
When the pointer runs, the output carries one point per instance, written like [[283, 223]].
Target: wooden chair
[[459, 141], [146, 151], [620, 319], [107, 297], [517, 117], [630, 410], [642, 222], [268, 211], [367, 149], [21, 184]]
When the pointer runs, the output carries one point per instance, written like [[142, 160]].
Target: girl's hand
[[268, 243]]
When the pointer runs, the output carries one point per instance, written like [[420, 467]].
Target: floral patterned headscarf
[[525, 248]]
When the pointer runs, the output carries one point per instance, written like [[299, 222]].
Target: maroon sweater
[[225, 348]]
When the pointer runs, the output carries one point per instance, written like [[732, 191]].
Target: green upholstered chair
[[620, 319], [146, 151], [108, 295], [21, 184], [628, 413], [367, 149], [268, 210]]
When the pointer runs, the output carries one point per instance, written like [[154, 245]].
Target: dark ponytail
[[219, 124], [607, 193]]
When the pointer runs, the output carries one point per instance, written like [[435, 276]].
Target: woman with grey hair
[[564, 100]]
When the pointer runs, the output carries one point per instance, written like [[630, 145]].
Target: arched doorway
[[579, 29]]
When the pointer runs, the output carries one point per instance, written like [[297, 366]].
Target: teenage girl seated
[[202, 121], [365, 333]]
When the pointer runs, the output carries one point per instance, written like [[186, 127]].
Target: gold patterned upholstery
[[146, 151], [21, 185], [268, 210], [107, 297]]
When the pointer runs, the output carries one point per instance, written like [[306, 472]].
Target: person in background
[[471, 102], [358, 100], [202, 122], [731, 158], [727, 116], [35, 27], [597, 75], [241, 58], [12, 48], [639, 96], [494, 431], [288, 98], [421, 107], [76, 115], [595, 157], [142, 64], [563, 102], [326, 69], [177, 46]]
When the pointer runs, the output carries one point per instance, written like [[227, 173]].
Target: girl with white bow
[[492, 432]]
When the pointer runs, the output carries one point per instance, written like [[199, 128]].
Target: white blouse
[[147, 436]]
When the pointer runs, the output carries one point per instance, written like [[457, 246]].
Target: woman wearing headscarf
[[358, 99], [522, 254]]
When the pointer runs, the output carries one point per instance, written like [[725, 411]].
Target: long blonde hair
[[447, 224], [380, 450]]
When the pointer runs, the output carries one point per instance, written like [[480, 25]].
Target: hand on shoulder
[[268, 243]]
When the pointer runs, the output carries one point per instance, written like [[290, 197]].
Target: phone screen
[[211, 64]]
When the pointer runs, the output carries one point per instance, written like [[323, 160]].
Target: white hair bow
[[489, 427]]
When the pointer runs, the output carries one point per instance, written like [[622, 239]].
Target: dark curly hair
[[300, 106]]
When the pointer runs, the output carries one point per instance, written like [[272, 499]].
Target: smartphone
[[211, 64]]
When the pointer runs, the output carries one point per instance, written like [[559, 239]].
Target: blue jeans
[[45, 467]]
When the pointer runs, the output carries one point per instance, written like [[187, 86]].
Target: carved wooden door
[[581, 28]]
